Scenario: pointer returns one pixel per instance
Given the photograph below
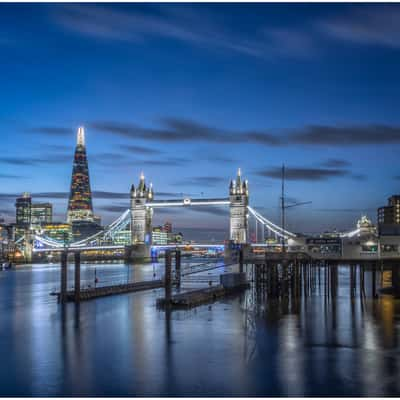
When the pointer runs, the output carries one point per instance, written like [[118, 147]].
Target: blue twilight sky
[[189, 92]]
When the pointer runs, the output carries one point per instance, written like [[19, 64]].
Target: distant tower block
[[80, 197], [239, 200], [141, 216]]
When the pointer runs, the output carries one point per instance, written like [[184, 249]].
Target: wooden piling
[[373, 279], [395, 279], [168, 280], [63, 291], [178, 268], [351, 280], [77, 274], [241, 260]]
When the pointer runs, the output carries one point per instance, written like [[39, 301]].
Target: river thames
[[243, 345]]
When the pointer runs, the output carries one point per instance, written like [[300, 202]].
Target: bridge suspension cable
[[270, 225], [350, 234], [106, 236]]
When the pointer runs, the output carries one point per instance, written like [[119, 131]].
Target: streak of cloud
[[303, 174]]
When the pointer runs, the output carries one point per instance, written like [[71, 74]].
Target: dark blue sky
[[188, 93]]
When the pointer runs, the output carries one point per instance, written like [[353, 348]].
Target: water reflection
[[244, 345], [338, 345]]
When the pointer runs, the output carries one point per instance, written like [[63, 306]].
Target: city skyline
[[188, 104]]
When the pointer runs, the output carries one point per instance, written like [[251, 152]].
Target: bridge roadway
[[188, 202], [219, 246], [116, 247]]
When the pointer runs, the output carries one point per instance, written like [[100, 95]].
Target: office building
[[389, 217], [41, 213], [168, 227], [159, 236], [23, 211], [59, 231]]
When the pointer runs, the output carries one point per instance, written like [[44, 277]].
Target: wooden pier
[[198, 297], [92, 293], [193, 298], [230, 283]]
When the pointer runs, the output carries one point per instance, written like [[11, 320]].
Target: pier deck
[[198, 297], [91, 293]]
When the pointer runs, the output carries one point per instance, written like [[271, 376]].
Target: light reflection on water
[[245, 345]]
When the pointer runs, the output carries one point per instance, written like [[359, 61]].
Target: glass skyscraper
[[80, 207], [23, 206]]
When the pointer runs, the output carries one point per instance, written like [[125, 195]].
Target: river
[[243, 345]]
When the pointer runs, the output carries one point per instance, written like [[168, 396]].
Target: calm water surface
[[123, 345]]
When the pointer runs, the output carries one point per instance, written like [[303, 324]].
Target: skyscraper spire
[[81, 136], [80, 197]]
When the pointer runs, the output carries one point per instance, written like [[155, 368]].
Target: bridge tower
[[28, 246], [141, 218], [239, 200]]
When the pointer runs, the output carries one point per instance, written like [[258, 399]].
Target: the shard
[[80, 197]]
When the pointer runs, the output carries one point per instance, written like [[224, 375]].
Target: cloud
[[289, 42], [178, 130], [262, 138], [52, 130], [335, 163], [172, 194], [116, 160], [346, 135], [167, 162], [203, 181], [57, 148], [167, 211], [220, 159], [189, 25], [184, 130], [114, 208], [213, 210], [172, 130], [50, 195], [368, 25], [140, 149], [107, 22], [98, 194], [359, 177], [303, 174], [8, 196], [345, 210], [18, 161], [7, 212], [34, 161], [11, 176]]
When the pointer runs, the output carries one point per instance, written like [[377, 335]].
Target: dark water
[[123, 345]]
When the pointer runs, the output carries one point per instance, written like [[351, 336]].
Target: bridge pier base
[[232, 251], [137, 252]]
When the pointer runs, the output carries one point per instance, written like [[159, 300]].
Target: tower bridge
[[140, 215], [137, 222]]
